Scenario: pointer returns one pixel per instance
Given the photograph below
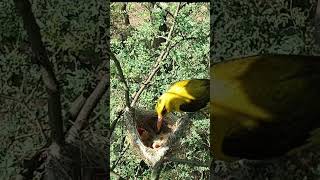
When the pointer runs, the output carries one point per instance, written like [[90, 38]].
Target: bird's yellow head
[[162, 108], [168, 102]]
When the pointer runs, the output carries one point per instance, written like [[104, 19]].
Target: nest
[[149, 145]]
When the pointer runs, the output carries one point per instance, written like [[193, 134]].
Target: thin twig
[[120, 157], [114, 123], [162, 56], [122, 78], [9, 98], [167, 11], [183, 4], [190, 162], [24, 136]]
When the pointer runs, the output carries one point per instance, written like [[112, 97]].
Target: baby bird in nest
[[148, 135]]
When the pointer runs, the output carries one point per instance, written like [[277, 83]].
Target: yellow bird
[[264, 106], [186, 95]]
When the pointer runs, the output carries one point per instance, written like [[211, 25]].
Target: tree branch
[[76, 106], [162, 56], [114, 123], [78, 103], [157, 4], [49, 79], [120, 157], [87, 108], [122, 78]]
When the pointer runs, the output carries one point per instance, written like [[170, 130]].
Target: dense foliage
[[256, 27], [244, 28], [71, 32], [189, 58]]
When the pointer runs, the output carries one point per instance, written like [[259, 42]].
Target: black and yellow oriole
[[186, 95], [261, 106]]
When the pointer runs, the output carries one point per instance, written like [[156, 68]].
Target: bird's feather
[[264, 106]]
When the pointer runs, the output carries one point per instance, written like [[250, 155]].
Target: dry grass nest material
[[151, 146]]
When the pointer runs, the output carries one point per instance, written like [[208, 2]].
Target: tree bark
[[49, 79]]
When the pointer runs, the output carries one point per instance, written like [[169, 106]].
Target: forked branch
[[48, 76]]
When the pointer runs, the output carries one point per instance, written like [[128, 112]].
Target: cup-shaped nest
[[150, 145]]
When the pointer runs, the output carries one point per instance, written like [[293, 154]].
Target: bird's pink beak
[[159, 123]]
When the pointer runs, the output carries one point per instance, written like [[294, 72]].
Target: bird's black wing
[[269, 139], [201, 91], [196, 105]]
